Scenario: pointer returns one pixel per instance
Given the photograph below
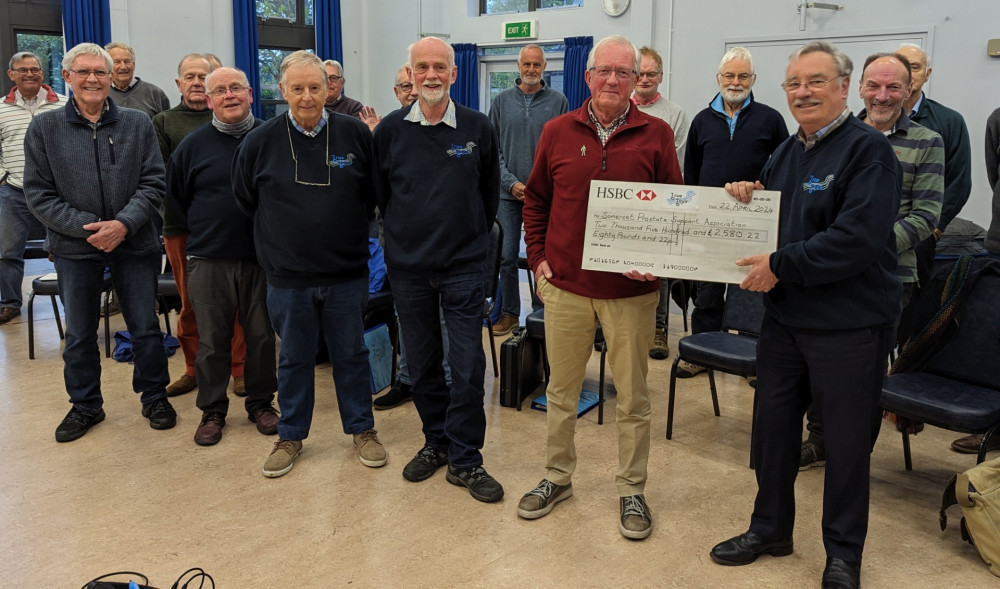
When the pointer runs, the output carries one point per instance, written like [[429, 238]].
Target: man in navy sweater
[[224, 278], [831, 304], [437, 181]]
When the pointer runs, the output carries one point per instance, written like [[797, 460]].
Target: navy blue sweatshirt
[[438, 190], [308, 235], [200, 196], [836, 257]]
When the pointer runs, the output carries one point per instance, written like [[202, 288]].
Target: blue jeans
[[404, 368], [17, 226], [297, 315], [453, 416], [509, 216], [81, 283]]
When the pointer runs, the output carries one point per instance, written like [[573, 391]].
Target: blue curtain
[[86, 21], [574, 66], [329, 42], [245, 41], [465, 90]]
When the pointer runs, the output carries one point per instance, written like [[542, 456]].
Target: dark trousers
[[220, 290], [842, 372], [709, 305]]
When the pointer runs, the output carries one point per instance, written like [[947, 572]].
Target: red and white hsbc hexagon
[[645, 194]]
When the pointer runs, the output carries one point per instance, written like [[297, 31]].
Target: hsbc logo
[[645, 195]]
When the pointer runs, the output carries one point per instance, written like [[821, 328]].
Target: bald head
[[920, 70]]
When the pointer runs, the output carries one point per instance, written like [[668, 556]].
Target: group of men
[[266, 228]]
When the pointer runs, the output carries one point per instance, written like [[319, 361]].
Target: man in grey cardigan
[[94, 178], [518, 115]]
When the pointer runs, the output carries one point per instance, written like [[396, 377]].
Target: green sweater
[[171, 127]]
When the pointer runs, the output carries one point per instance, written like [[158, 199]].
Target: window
[[49, 49], [36, 26], [283, 27], [508, 6]]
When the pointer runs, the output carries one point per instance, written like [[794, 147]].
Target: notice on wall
[[673, 231]]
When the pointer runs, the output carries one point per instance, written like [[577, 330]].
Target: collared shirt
[[417, 116], [93, 124], [916, 105], [30, 104], [603, 132], [319, 126], [130, 85], [635, 97], [719, 105], [810, 141]]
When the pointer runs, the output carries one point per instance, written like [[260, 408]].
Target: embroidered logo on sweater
[[459, 151], [342, 162], [814, 184]]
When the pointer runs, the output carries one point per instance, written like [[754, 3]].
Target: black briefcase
[[522, 368]]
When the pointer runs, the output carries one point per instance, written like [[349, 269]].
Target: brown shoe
[[505, 325], [239, 386], [210, 431], [970, 444], [8, 313], [266, 419], [184, 384]]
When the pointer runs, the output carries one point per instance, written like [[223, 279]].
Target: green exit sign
[[527, 29]]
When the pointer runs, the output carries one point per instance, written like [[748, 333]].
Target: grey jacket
[[76, 174]]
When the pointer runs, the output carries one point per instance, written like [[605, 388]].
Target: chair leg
[[493, 351], [55, 311], [985, 444], [600, 385], [31, 326], [165, 311], [670, 398], [907, 460], [715, 393], [107, 324]]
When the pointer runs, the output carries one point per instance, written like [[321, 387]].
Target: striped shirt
[[15, 116]]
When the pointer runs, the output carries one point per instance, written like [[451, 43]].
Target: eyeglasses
[[605, 72], [816, 84], [649, 75], [235, 89], [295, 157], [334, 78], [99, 74], [405, 87], [729, 77], [28, 70]]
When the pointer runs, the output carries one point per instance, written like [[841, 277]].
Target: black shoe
[[160, 413], [76, 423], [840, 574], [397, 395], [481, 485], [424, 464], [746, 547]]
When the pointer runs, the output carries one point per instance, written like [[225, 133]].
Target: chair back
[[744, 312], [491, 279]]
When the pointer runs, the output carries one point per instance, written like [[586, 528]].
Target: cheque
[[672, 231]]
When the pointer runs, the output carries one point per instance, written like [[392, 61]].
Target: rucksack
[[977, 490]]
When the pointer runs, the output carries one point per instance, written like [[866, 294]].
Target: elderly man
[[127, 89], [730, 139], [885, 85], [305, 179], [172, 126], [518, 115], [29, 98], [647, 98], [832, 299], [224, 278], [605, 139], [94, 177], [438, 181], [336, 100]]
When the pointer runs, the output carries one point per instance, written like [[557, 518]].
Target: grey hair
[[736, 53], [844, 64], [122, 46], [337, 64], [21, 56], [451, 50], [614, 40], [180, 63], [302, 57], [208, 79], [86, 49], [520, 54], [927, 58]]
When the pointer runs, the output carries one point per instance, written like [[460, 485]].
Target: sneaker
[[160, 413], [636, 522], [76, 423], [970, 444], [481, 485], [506, 324], [397, 395], [266, 418], [370, 449], [425, 464], [184, 384], [811, 455], [686, 369], [239, 386], [540, 500], [209, 431], [659, 350], [282, 458], [8, 313]]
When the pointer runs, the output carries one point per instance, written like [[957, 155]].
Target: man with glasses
[[94, 177], [305, 179], [336, 100], [831, 303], [605, 139], [518, 115], [130, 91], [224, 277], [647, 98], [29, 98], [729, 140]]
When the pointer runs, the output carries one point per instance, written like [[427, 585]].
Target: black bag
[[522, 368]]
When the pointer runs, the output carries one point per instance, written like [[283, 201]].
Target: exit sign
[[527, 29]]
